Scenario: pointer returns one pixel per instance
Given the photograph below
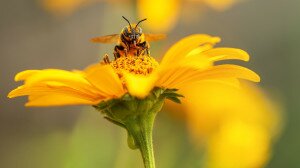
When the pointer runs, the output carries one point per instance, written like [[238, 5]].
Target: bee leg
[[126, 52], [145, 48], [143, 52], [116, 55], [148, 52], [148, 49], [138, 52], [117, 50], [106, 59]]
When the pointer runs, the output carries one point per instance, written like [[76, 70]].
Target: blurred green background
[[78, 137]]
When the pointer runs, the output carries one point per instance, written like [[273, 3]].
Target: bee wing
[[155, 37], [113, 38]]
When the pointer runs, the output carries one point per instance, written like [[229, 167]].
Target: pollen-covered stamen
[[140, 65]]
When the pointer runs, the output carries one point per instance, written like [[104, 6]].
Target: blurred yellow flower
[[188, 61], [236, 125], [163, 14], [238, 145], [64, 7]]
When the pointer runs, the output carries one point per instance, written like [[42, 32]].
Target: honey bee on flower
[[131, 41]]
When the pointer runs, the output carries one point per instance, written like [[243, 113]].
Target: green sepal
[[172, 95], [115, 122], [174, 99], [129, 105], [132, 144]]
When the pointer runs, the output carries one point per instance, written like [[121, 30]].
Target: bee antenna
[[127, 21], [140, 22]]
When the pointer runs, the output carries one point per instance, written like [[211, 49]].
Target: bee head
[[133, 33]]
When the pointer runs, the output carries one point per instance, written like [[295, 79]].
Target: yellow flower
[[188, 61], [236, 125], [131, 90]]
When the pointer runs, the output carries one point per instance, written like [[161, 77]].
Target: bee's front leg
[[125, 52], [106, 59], [139, 52], [147, 48], [148, 52], [117, 50], [144, 48]]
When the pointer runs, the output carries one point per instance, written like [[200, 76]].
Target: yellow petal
[[25, 74], [230, 71], [187, 75], [223, 71], [176, 70], [182, 48], [193, 61], [74, 85], [105, 80], [162, 15], [46, 89], [139, 85], [58, 99], [197, 51], [70, 79], [57, 75], [217, 54], [230, 82], [170, 77]]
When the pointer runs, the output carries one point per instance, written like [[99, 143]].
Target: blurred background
[[38, 34]]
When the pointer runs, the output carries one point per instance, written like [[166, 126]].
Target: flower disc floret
[[139, 65]]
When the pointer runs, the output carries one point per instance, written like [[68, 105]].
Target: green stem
[[137, 117], [140, 129]]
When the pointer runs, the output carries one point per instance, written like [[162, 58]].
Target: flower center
[[140, 65]]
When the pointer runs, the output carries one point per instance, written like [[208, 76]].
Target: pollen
[[139, 65]]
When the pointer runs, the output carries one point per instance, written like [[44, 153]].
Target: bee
[[131, 41]]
